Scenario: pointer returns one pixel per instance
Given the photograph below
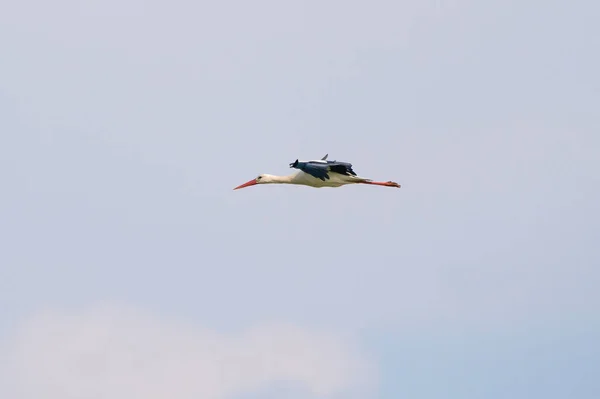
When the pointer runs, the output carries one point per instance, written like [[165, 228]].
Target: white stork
[[319, 173]]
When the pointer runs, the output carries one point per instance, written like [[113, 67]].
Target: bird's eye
[[259, 177]]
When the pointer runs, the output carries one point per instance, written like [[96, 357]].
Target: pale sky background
[[129, 267]]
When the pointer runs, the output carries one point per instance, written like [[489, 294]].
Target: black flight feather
[[321, 170]]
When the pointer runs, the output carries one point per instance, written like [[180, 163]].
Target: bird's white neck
[[273, 179]]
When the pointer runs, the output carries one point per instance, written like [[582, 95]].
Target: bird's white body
[[304, 179]]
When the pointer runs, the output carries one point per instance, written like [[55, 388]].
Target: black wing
[[343, 168], [321, 170]]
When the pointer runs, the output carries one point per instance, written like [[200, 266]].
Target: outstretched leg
[[381, 183]]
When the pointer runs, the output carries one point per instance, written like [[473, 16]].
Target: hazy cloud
[[118, 353]]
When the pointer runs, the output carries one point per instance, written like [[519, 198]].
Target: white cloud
[[119, 353]]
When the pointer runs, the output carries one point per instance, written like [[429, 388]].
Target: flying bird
[[318, 173]]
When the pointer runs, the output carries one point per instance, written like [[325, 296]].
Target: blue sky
[[549, 362], [125, 125]]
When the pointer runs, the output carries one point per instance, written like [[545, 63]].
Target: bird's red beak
[[247, 184]]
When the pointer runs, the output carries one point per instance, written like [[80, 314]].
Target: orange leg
[[381, 183]]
